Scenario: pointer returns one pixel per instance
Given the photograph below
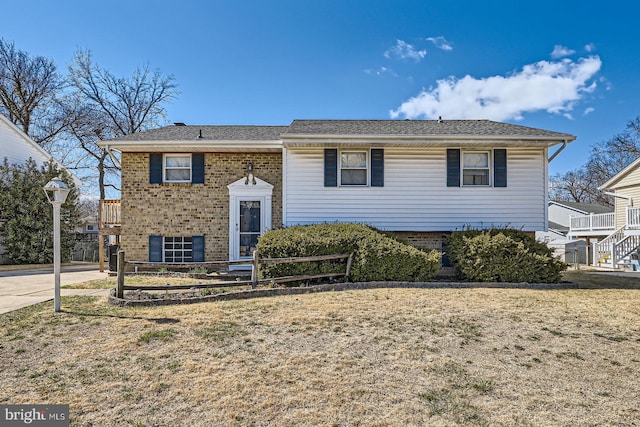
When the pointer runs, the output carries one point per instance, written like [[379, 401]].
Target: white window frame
[[180, 242], [164, 167], [488, 168], [366, 167]]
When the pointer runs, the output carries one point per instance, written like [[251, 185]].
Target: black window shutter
[[330, 167], [155, 168], [453, 167], [197, 168], [377, 167], [155, 248], [197, 253], [500, 167]]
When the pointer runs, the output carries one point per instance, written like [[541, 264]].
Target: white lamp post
[[57, 192]]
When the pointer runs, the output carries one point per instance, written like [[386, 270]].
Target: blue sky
[[568, 66]]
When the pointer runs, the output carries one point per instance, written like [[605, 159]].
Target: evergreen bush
[[26, 216], [376, 256], [502, 255]]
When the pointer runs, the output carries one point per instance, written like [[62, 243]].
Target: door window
[[249, 227]]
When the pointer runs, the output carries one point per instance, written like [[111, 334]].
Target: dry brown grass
[[369, 357]]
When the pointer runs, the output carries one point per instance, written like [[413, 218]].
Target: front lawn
[[382, 357]]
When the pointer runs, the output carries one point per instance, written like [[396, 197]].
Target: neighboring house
[[87, 228], [17, 147], [561, 213], [621, 246], [194, 193], [569, 248]]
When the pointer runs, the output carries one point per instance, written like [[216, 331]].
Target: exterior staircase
[[613, 250]]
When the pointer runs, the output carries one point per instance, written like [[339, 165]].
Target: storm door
[[249, 227], [249, 217]]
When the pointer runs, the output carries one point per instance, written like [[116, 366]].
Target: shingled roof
[[434, 128], [585, 207], [181, 137], [207, 133]]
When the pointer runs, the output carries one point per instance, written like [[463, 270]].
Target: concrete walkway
[[21, 288]]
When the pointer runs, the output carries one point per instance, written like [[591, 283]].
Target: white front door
[[249, 217]]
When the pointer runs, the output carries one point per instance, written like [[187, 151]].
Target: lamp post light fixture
[[56, 192]]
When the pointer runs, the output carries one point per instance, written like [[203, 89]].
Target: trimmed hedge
[[502, 255], [376, 255]]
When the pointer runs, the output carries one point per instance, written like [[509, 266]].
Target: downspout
[[114, 159], [558, 151]]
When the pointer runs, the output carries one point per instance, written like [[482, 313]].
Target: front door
[[249, 217], [248, 227]]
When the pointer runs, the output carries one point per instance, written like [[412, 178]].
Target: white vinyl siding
[[17, 149], [415, 196], [627, 186]]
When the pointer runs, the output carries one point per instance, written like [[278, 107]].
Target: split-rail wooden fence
[[254, 264]]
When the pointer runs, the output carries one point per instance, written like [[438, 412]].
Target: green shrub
[[376, 256], [502, 255]]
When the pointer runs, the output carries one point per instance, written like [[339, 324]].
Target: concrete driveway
[[21, 288]]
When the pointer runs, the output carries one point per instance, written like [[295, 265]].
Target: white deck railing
[[593, 222], [633, 217]]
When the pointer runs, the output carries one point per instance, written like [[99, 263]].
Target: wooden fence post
[[348, 272], [120, 289], [254, 270]]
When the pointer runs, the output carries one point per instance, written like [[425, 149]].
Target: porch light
[[56, 191], [250, 177]]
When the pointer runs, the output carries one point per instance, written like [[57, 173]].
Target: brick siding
[[179, 210]]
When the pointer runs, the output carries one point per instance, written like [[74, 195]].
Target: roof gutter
[[558, 151], [621, 196]]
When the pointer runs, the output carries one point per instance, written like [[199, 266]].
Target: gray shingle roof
[[419, 128], [343, 127], [209, 133], [587, 207]]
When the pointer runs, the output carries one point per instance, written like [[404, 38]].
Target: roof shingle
[[418, 128]]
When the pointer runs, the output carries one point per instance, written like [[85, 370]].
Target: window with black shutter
[[176, 168]]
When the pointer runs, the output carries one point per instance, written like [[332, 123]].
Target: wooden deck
[[109, 224]]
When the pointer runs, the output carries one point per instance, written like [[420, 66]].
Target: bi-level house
[[194, 193]]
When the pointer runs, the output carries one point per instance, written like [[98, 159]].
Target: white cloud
[[381, 71], [560, 51], [588, 110], [543, 86], [590, 47], [440, 42], [404, 50]]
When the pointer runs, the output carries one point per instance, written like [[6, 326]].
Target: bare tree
[[606, 159], [29, 91], [577, 186], [105, 106], [615, 154]]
